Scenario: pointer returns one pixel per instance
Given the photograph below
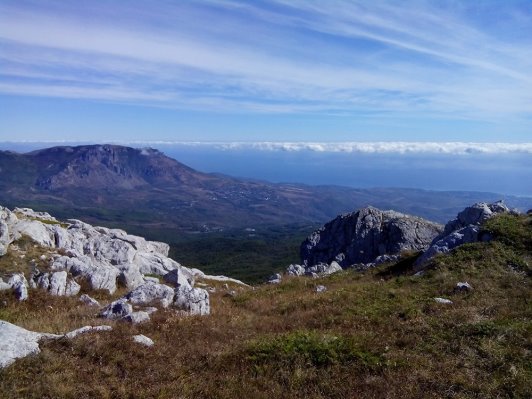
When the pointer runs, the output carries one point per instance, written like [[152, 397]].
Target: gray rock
[[103, 278], [72, 288], [465, 228], [321, 288], [295, 270], [143, 340], [463, 287], [87, 300], [4, 286], [19, 285], [275, 278], [150, 263], [194, 301], [130, 276], [137, 317], [149, 293], [86, 329], [116, 309], [362, 236], [16, 342], [323, 269], [58, 283], [443, 301], [178, 278], [4, 237]]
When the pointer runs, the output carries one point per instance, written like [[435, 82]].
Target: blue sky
[[260, 71]]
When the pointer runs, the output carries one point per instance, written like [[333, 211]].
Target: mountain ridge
[[110, 183]]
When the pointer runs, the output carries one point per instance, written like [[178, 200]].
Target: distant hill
[[144, 189]]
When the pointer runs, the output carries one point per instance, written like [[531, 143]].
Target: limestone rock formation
[[364, 235], [103, 258], [465, 228]]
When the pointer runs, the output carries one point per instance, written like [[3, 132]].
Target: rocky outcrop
[[465, 228], [97, 254], [363, 236], [103, 258]]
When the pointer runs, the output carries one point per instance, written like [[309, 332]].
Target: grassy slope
[[377, 334]]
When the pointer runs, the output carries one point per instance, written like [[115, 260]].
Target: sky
[[267, 71]]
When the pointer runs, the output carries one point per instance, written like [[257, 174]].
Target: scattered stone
[[323, 269], [150, 310], [463, 287], [137, 317], [275, 278], [86, 329], [295, 270], [87, 300], [143, 340], [444, 301], [199, 274], [116, 309], [321, 288]]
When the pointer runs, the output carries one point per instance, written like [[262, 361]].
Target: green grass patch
[[313, 348]]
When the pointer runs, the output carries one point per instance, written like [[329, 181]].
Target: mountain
[[144, 189]]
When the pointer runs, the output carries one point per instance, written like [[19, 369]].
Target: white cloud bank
[[398, 147]]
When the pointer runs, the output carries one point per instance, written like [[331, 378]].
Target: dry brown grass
[[365, 337]]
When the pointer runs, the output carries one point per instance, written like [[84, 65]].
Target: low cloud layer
[[459, 148]]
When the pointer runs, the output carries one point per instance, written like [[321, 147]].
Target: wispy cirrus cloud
[[274, 57]]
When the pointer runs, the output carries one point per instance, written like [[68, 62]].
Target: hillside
[[378, 333]]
